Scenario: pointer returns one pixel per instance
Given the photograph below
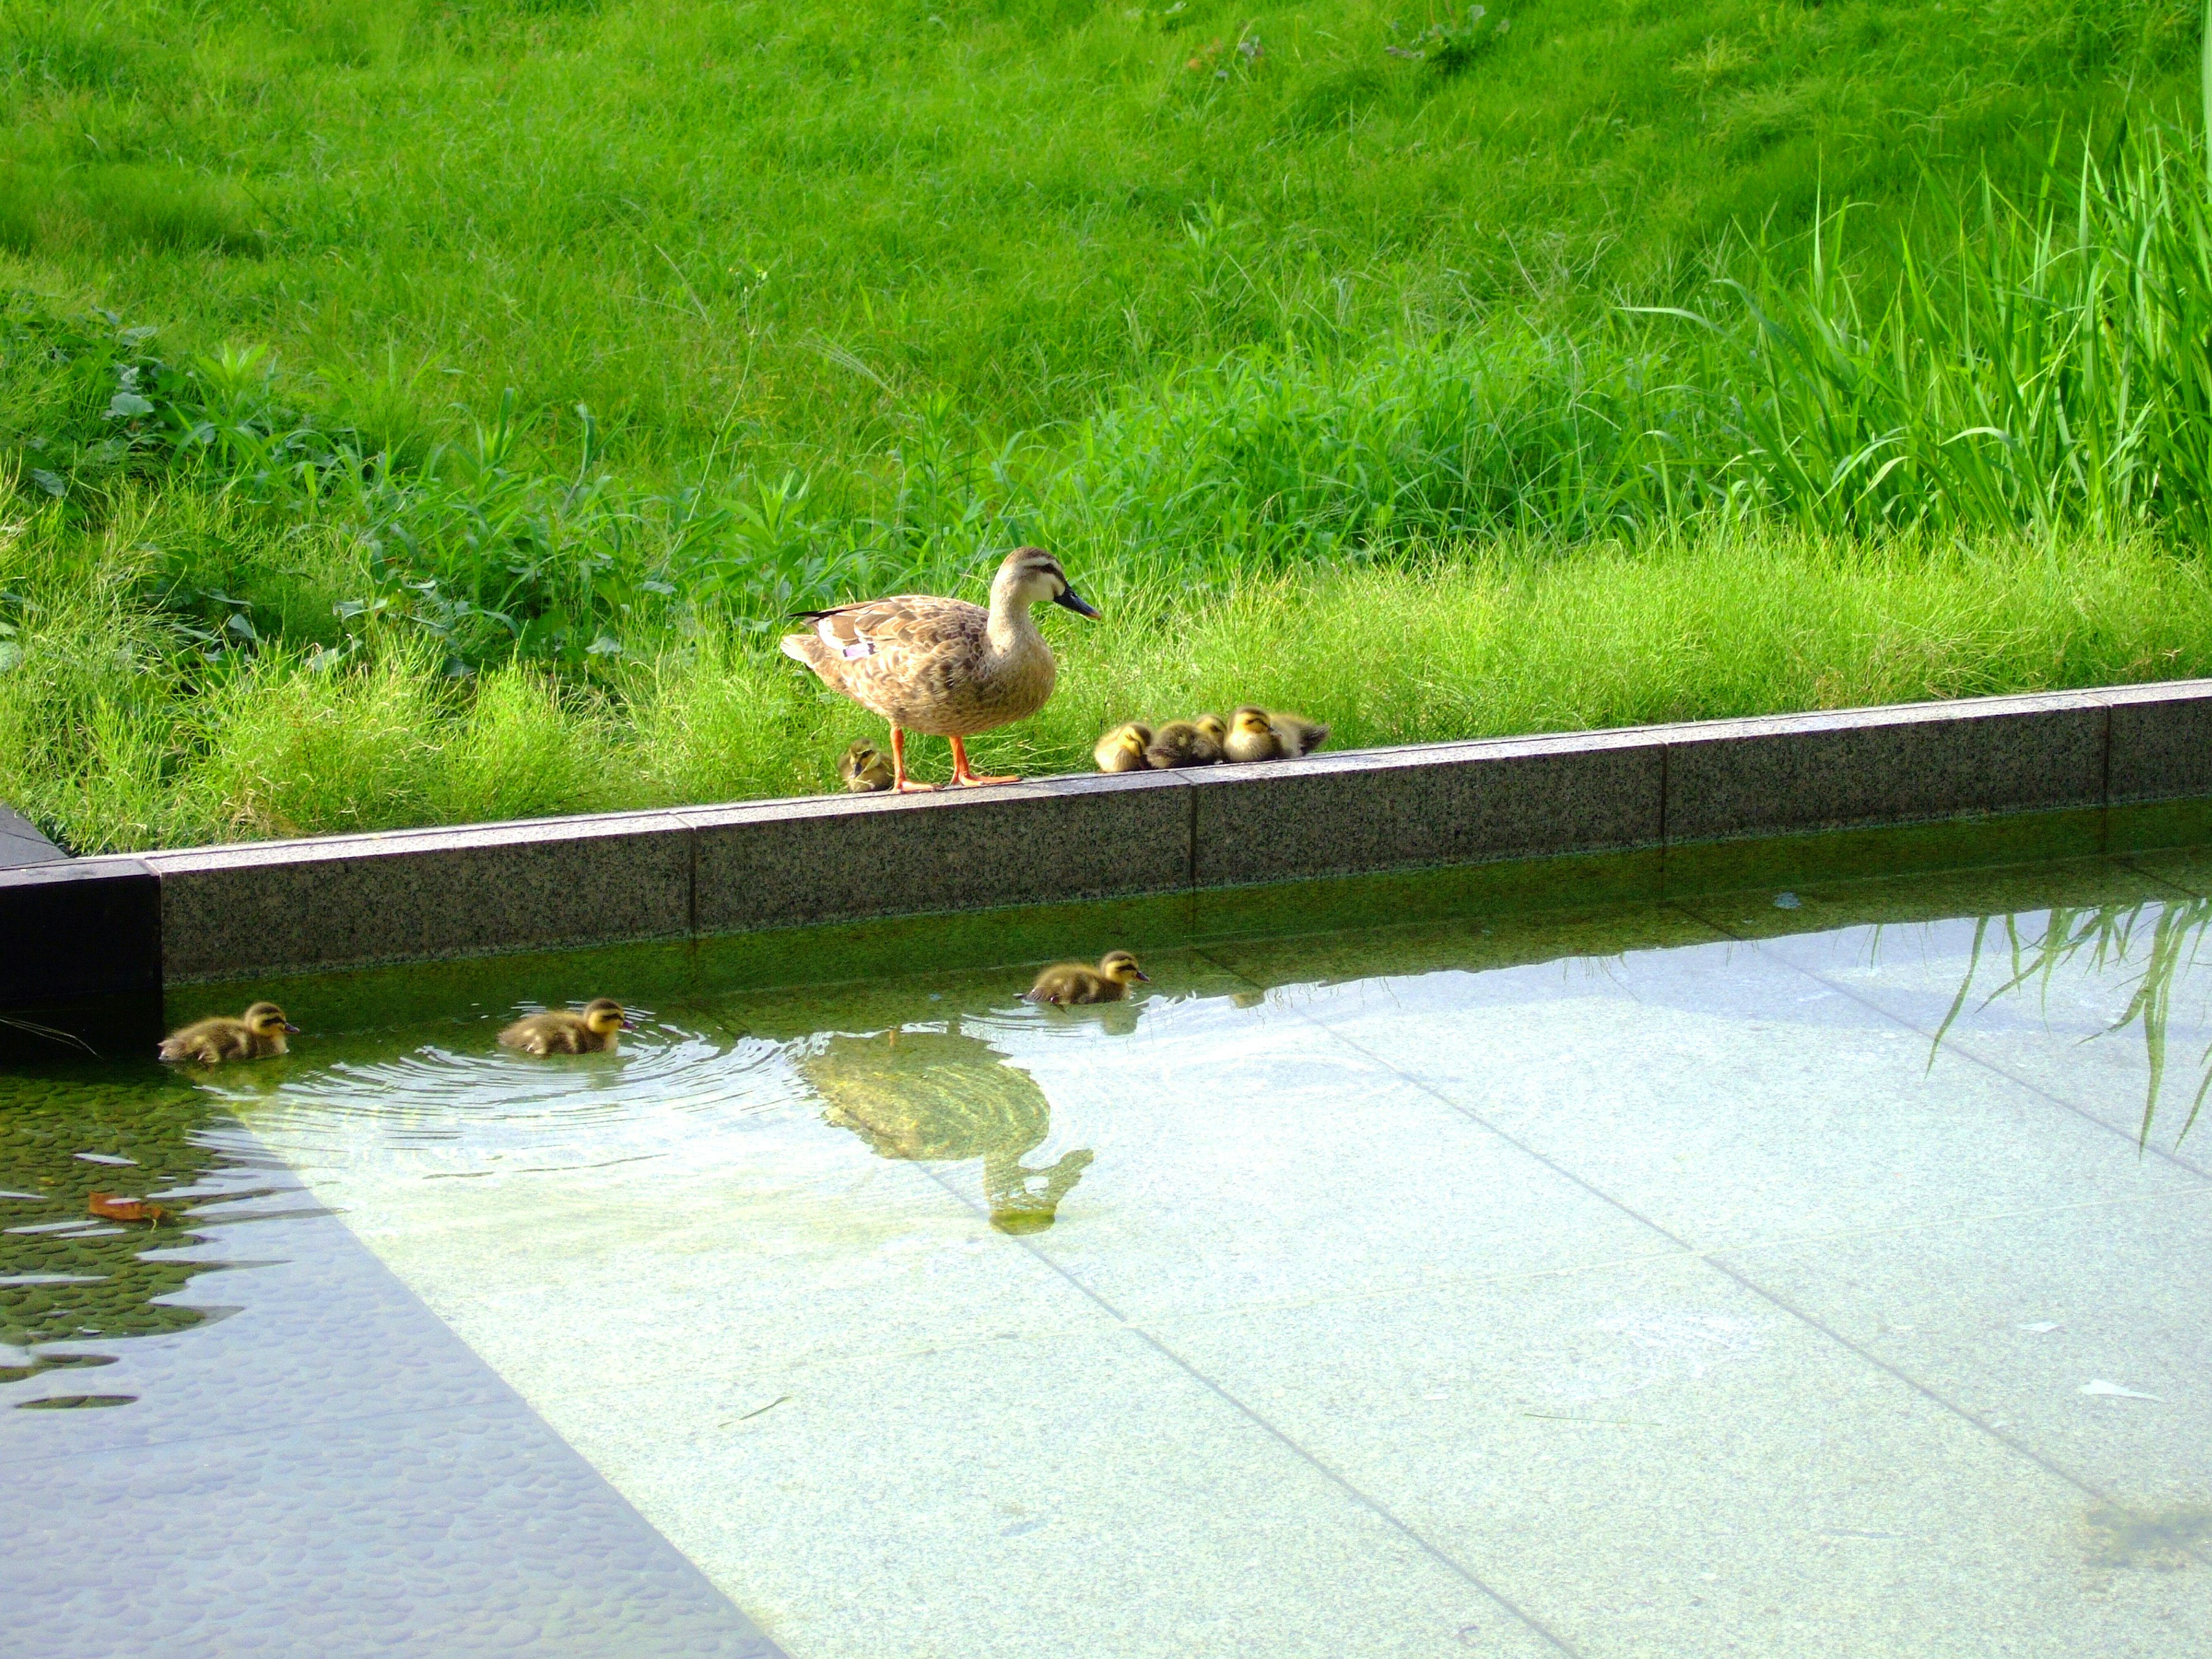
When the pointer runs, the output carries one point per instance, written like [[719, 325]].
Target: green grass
[[418, 412], [1506, 638], [785, 229]]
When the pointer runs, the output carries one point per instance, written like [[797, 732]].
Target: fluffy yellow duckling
[[256, 1035], [1182, 743], [1250, 737], [1077, 981], [865, 767], [1214, 726], [596, 1030], [1122, 749], [1256, 735]]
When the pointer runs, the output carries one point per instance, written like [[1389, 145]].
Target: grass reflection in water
[[2165, 936]]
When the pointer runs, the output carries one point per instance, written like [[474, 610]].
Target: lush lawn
[[515, 365]]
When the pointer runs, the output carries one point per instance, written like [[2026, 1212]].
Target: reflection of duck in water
[[940, 1096]]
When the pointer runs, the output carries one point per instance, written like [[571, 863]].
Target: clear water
[[1789, 1271]]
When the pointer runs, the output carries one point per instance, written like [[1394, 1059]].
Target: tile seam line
[[1362, 1498], [1615, 1264], [1772, 1298], [2079, 1482]]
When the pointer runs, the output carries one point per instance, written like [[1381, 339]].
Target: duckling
[[1251, 738], [256, 1035], [1300, 737], [1214, 726], [1182, 743], [865, 767], [1122, 749], [596, 1030], [1258, 735], [1075, 982]]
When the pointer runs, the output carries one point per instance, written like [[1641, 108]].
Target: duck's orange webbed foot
[[966, 776], [901, 784]]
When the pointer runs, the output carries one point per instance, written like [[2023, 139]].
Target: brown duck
[[943, 667]]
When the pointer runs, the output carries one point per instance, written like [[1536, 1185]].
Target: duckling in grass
[[865, 767], [1122, 749], [1256, 735], [256, 1035], [596, 1030], [1067, 983], [1182, 743]]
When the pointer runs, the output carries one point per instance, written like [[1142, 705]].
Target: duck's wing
[[914, 622], [868, 650]]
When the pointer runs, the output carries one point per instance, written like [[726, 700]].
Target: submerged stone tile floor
[[1644, 1282]]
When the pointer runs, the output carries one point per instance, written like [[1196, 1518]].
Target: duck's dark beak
[[1142, 975], [628, 1024], [293, 1029], [1075, 602]]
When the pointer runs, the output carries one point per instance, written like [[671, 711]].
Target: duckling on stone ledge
[[865, 767], [1256, 735], [596, 1030], [1069, 982], [1182, 743], [256, 1035], [1300, 736], [1122, 749]]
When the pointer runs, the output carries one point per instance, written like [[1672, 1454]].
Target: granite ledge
[[354, 900]]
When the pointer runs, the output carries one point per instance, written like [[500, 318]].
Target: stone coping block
[[356, 901], [1905, 764], [416, 895], [74, 928], [772, 864], [1459, 803]]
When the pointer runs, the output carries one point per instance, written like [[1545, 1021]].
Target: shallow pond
[[1794, 1270]]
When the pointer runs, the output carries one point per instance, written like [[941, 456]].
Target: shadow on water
[[71, 1278], [2166, 936], [944, 1097]]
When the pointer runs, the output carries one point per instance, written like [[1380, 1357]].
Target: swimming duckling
[[1075, 981], [256, 1035], [1257, 735], [1182, 743], [1122, 749], [559, 1031], [865, 767]]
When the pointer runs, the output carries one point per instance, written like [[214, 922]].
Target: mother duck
[[943, 667]]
